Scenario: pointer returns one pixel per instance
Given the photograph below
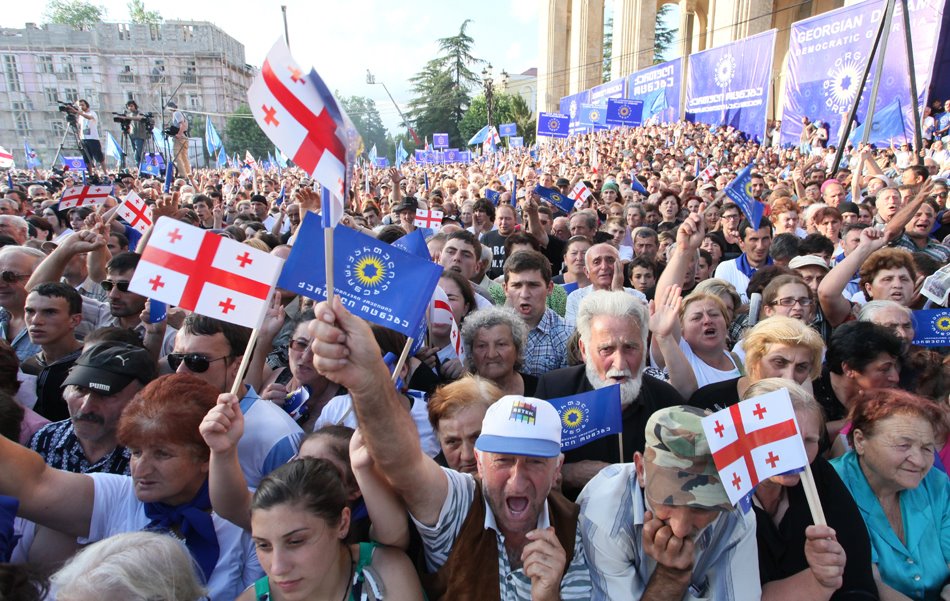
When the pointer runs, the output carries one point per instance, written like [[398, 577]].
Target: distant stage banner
[[611, 89], [571, 106], [729, 85], [827, 55], [659, 89]]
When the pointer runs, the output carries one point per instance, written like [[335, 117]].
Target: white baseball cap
[[517, 425]]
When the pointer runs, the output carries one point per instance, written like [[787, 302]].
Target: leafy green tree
[[138, 13], [665, 35], [455, 59], [506, 108], [75, 13], [365, 116], [241, 133]]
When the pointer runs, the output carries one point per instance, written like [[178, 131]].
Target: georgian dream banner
[[611, 89], [659, 89], [729, 85], [827, 55], [571, 106]]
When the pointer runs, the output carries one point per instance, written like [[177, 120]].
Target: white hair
[[135, 566], [16, 221], [870, 310], [613, 304]]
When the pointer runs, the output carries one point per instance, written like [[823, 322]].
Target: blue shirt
[[918, 568]]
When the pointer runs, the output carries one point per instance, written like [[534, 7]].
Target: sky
[[341, 40]]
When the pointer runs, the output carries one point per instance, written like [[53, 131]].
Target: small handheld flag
[[135, 212], [426, 218], [83, 196], [580, 194], [589, 416], [739, 191], [553, 196]]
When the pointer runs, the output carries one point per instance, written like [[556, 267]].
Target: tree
[[138, 14], [608, 48], [456, 58], [75, 13], [665, 35], [365, 116], [506, 108], [241, 133]]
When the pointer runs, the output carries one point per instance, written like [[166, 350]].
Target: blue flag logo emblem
[[554, 124], [369, 271], [624, 111]]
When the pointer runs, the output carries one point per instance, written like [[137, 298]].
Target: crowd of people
[[322, 479]]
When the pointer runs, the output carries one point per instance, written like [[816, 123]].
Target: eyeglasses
[[790, 302], [11, 277], [195, 363], [731, 216], [299, 345], [108, 285]]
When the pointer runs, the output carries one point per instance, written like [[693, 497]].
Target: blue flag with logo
[[440, 140], [932, 327], [516, 141], [553, 125], [554, 196], [506, 130], [32, 159], [739, 191], [590, 114], [493, 195], [370, 277], [382, 162], [624, 111], [212, 139], [414, 243], [636, 186], [152, 164], [73, 163], [589, 416], [888, 124]]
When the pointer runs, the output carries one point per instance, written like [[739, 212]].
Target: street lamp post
[[371, 79]]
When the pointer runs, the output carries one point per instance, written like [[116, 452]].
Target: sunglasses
[[195, 363], [11, 277], [299, 345], [108, 285]]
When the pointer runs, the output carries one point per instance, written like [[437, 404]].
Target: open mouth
[[517, 506], [710, 332]]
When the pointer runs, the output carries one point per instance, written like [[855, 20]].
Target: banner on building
[[659, 88], [729, 85], [571, 106]]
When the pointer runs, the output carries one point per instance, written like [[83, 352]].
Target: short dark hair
[[816, 244], [784, 247], [483, 204], [202, 198], [850, 227], [390, 234], [920, 171], [470, 239], [858, 343], [200, 325], [528, 260], [521, 238], [125, 261], [60, 290], [746, 225], [121, 238]]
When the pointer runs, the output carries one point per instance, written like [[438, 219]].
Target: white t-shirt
[[705, 373], [116, 510], [271, 438], [340, 411], [89, 127]]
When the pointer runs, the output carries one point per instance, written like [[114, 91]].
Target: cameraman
[[138, 131], [179, 125], [89, 130]]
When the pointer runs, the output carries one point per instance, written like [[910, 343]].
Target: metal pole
[[872, 105], [283, 9], [857, 98], [401, 116], [918, 141]]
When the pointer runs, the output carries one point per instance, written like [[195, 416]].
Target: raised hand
[[664, 312], [223, 426]]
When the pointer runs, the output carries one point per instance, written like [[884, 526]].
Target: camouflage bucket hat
[[678, 465]]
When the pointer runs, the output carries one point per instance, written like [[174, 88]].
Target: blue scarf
[[8, 540], [742, 263], [193, 520]]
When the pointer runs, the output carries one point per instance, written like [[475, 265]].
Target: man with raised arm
[[506, 536]]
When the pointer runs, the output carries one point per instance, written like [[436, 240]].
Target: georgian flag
[[135, 212], [755, 440], [301, 117], [440, 313], [428, 218], [708, 173], [83, 196], [203, 272], [580, 194], [6, 158]]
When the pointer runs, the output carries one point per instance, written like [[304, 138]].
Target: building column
[[555, 26], [587, 44], [633, 36], [687, 21]]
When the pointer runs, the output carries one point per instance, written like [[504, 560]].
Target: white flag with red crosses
[[428, 218], [440, 312], [135, 212], [83, 196], [753, 441], [200, 271]]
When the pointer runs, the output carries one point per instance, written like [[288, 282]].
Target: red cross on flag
[[135, 212], [440, 313], [6, 158], [83, 196], [428, 218], [300, 116], [580, 194], [708, 173], [755, 440], [203, 272]]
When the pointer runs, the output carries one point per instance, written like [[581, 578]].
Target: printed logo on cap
[[523, 412]]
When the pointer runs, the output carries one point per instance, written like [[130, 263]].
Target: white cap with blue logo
[[517, 425]]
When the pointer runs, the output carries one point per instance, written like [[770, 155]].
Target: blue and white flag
[[32, 159], [112, 148], [516, 142], [932, 327], [370, 277], [152, 164], [440, 140], [480, 136], [372, 155], [280, 157], [589, 416], [553, 125], [280, 197], [739, 191], [401, 154], [493, 195], [222, 158], [331, 209], [554, 196], [637, 187], [624, 111], [212, 139], [73, 163], [592, 115], [506, 130], [414, 243]]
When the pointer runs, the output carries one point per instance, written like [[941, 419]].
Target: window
[[66, 72], [51, 95], [124, 33], [58, 127], [89, 94], [45, 63], [191, 73], [155, 32], [158, 72], [70, 94], [85, 65], [21, 117], [194, 101], [10, 73], [126, 75], [187, 32]]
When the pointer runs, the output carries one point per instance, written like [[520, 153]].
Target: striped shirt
[[546, 345], [725, 567], [514, 585]]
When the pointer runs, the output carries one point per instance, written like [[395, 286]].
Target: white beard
[[629, 388]]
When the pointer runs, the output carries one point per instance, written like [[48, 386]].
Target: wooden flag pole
[[402, 359], [328, 260], [245, 361], [620, 444], [811, 495]]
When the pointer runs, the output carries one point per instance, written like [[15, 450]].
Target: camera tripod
[[72, 135]]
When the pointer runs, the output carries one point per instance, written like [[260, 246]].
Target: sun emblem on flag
[[844, 76], [573, 109], [370, 271], [573, 417], [725, 70], [943, 323], [624, 111], [748, 187], [555, 198], [553, 124], [594, 115]]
